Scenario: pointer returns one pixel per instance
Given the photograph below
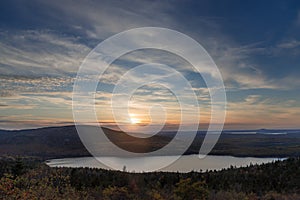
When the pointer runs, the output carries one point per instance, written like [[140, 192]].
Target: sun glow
[[134, 119]]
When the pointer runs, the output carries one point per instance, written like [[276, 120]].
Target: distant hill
[[58, 142], [42, 142], [65, 142]]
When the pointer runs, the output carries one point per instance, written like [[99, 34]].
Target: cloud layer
[[43, 43]]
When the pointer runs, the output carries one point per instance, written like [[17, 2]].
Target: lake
[[185, 163]]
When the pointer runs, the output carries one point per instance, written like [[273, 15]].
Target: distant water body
[[185, 163]]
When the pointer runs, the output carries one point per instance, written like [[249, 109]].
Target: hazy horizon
[[167, 129]]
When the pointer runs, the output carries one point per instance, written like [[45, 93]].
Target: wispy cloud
[[263, 111], [99, 20], [40, 53], [289, 44]]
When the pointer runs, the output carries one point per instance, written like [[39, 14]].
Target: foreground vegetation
[[28, 178]]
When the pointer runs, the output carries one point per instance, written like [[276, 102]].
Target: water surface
[[185, 163]]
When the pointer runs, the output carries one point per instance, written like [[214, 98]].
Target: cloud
[[238, 70], [263, 111], [15, 124], [30, 110], [40, 53], [99, 20], [6, 93], [289, 44], [13, 85], [38, 63]]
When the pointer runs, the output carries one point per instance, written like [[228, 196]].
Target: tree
[[186, 189], [115, 193], [18, 168]]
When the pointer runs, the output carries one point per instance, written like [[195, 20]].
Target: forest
[[31, 178], [64, 142]]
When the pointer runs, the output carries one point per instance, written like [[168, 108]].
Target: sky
[[255, 44]]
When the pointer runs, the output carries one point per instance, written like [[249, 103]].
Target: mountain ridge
[[64, 141]]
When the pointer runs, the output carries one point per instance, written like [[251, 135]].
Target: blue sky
[[255, 44]]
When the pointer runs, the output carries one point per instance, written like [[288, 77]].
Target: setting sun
[[134, 119]]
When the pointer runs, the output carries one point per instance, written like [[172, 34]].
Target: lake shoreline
[[186, 154], [184, 164]]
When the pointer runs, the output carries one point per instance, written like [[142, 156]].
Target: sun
[[133, 119]]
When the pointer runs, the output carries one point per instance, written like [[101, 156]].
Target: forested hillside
[[61, 142], [28, 178]]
